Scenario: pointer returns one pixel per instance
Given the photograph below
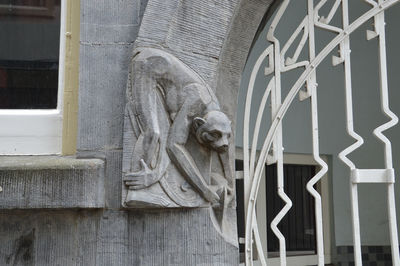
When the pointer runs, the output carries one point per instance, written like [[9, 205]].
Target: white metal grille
[[272, 151]]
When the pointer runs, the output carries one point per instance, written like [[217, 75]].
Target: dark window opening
[[240, 205], [298, 226], [29, 55]]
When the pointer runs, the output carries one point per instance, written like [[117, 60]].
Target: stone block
[[32, 182], [103, 74], [110, 22], [178, 237]]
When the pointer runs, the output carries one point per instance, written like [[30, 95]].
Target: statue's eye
[[215, 135], [211, 136], [207, 137]]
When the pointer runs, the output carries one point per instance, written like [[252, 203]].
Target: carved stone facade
[[173, 122], [152, 182]]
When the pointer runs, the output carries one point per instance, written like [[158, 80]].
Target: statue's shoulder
[[147, 53], [160, 61]]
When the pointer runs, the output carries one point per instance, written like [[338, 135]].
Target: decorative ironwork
[[272, 150]]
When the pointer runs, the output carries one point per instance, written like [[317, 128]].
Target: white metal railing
[[272, 150]]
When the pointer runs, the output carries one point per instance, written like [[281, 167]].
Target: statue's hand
[[142, 178], [212, 197]]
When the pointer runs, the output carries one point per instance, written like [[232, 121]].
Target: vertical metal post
[[312, 91], [276, 105], [380, 29], [350, 128]]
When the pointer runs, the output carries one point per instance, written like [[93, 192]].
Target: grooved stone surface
[[108, 30], [212, 37], [178, 237], [51, 182], [193, 30], [105, 238], [49, 237], [110, 22], [233, 56], [103, 74], [113, 247], [113, 181]]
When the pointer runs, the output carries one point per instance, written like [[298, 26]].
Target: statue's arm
[[143, 96], [144, 85], [224, 158], [178, 136]]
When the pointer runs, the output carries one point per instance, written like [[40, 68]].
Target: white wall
[[333, 137]]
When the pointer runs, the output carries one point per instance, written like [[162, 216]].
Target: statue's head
[[213, 130]]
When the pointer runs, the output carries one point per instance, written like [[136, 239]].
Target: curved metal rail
[[253, 168]]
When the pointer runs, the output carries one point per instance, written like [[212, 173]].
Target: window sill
[[37, 182]]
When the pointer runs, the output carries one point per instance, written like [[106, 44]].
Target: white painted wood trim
[[36, 132], [61, 66], [29, 132]]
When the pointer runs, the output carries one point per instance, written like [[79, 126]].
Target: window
[[298, 225], [32, 60]]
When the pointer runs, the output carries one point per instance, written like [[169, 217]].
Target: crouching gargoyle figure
[[173, 124]]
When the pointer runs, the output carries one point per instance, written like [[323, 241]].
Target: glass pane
[[29, 53]]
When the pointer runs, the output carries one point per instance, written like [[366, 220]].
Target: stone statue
[[173, 124]]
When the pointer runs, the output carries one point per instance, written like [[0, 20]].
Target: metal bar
[[380, 28], [276, 104], [335, 7], [291, 60], [371, 2], [246, 163], [295, 65], [312, 89], [253, 191], [394, 241], [356, 224], [380, 21], [372, 176], [352, 133], [258, 243], [261, 110], [328, 27]]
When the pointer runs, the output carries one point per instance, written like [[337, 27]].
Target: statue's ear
[[198, 122]]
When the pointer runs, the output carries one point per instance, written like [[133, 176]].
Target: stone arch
[[213, 38]]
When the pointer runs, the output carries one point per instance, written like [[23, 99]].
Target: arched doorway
[[290, 68]]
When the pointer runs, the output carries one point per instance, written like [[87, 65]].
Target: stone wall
[[77, 219]]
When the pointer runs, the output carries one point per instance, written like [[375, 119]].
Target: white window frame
[[36, 131], [304, 259]]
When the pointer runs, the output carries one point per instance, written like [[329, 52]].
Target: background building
[[62, 106]]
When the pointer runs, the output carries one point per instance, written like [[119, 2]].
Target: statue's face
[[214, 130]]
